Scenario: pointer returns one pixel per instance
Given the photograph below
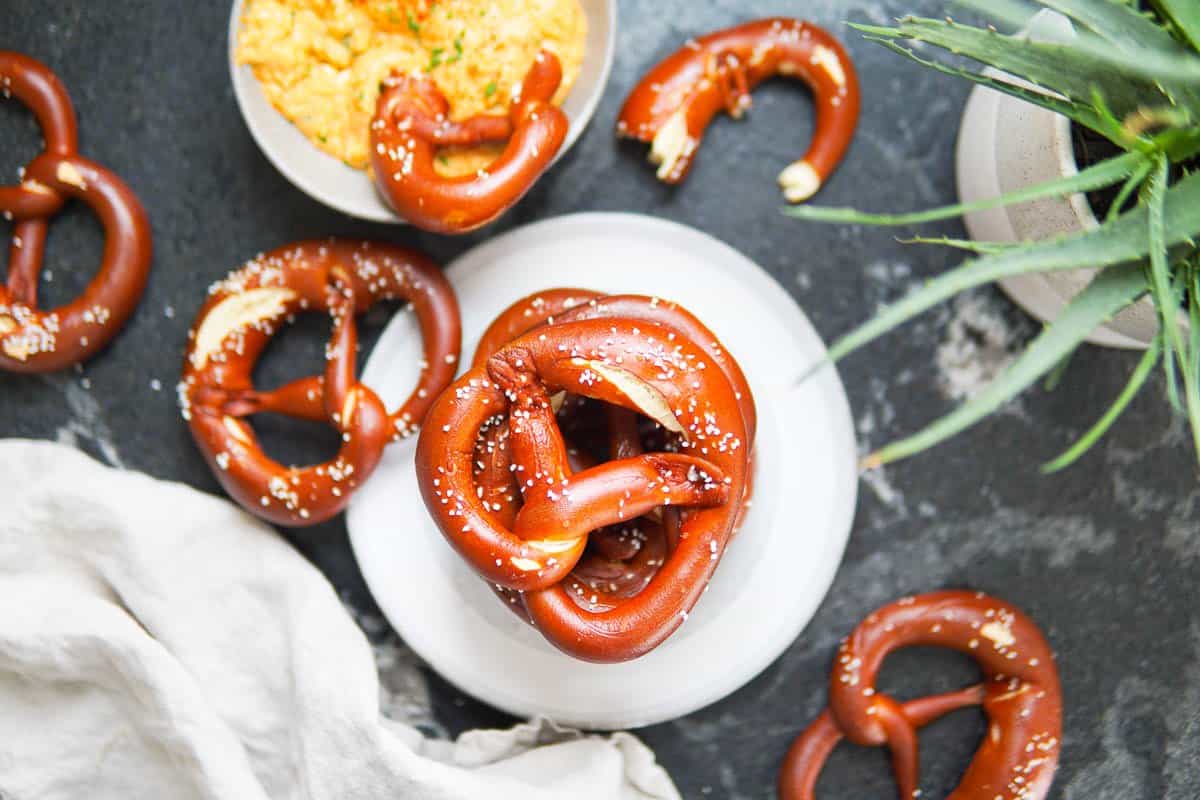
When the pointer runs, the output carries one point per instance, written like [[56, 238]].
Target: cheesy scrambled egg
[[320, 62]]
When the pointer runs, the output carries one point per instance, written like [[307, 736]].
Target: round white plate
[[775, 571], [349, 190]]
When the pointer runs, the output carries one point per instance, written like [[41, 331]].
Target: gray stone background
[[1104, 556]]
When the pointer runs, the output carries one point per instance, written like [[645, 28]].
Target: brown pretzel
[[412, 121], [343, 278], [1020, 695], [675, 102], [31, 339], [639, 365], [620, 560]]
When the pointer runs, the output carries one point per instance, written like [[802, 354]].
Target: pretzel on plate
[[1020, 694], [412, 121], [530, 545], [342, 278], [675, 102], [37, 340]]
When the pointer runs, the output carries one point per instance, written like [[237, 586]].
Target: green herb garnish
[[435, 59], [458, 50], [489, 90], [413, 25]]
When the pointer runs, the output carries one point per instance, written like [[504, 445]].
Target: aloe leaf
[[1131, 185], [1136, 380], [1164, 296], [1111, 291], [1117, 23], [962, 244], [1105, 173], [1079, 112], [1073, 70], [1193, 387], [1123, 240], [1186, 16]]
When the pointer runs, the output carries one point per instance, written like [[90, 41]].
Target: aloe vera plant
[[1132, 75]]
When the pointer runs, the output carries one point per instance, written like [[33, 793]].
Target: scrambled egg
[[320, 62]]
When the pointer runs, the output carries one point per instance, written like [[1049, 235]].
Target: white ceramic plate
[[774, 573], [325, 178]]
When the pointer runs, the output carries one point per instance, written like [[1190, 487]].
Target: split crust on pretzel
[[1020, 695], [412, 120], [675, 102], [342, 278], [36, 340], [639, 365]]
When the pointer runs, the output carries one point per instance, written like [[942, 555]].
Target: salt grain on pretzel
[[675, 102], [36, 340], [1020, 695], [339, 277], [412, 120]]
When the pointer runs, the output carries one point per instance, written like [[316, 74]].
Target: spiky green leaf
[[1097, 176], [1123, 240], [1073, 70], [1185, 14], [1136, 380], [1117, 23], [1111, 291]]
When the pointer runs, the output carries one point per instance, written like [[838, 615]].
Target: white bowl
[[775, 572], [327, 179]]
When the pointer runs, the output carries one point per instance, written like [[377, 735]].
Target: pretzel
[[639, 365], [36, 340], [343, 278], [624, 558], [673, 105], [1020, 695], [412, 121]]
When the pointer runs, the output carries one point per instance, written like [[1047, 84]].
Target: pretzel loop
[[1020, 695], [412, 121], [673, 105], [342, 278], [31, 339]]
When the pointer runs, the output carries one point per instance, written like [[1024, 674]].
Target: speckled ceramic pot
[[1006, 144]]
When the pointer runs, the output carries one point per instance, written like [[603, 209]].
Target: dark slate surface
[[1105, 556]]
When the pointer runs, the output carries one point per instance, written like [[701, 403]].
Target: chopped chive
[[489, 90], [458, 50], [435, 59], [441, 159], [413, 26]]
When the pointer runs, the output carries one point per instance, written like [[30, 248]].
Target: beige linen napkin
[[156, 642]]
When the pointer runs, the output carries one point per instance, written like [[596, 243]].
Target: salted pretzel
[[1020, 695], [37, 340], [636, 364], [342, 278], [621, 560], [673, 105], [412, 120]]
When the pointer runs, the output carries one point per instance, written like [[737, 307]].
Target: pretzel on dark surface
[[342, 278], [1020, 695], [37, 340], [675, 102]]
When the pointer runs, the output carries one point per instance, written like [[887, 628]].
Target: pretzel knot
[[35, 340], [342, 278], [673, 105], [412, 120], [1020, 695], [525, 510]]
